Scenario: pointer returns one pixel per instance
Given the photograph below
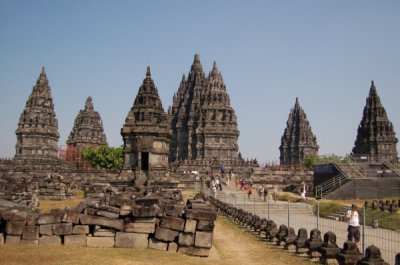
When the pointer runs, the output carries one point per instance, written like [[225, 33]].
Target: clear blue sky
[[269, 52]]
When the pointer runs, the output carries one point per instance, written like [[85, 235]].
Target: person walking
[[354, 226], [249, 192], [265, 193]]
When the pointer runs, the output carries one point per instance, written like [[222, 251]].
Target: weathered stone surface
[[15, 227], [139, 227], [190, 226], [50, 241], [173, 223], [156, 244], [102, 221], [75, 240], [46, 230], [166, 234], [90, 211], [205, 226], [131, 240], [29, 242], [49, 218], [71, 217], [172, 247], [14, 215], [373, 257], [201, 215], [80, 229], [62, 229], [182, 249], [203, 239], [13, 240], [1, 238], [30, 233], [107, 214], [106, 232], [186, 239], [140, 211], [197, 251], [100, 242]]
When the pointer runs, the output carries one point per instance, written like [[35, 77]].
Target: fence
[[303, 215]]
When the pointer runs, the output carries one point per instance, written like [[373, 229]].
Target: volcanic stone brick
[[172, 247], [50, 241], [90, 211], [29, 242], [75, 240], [14, 215], [102, 221], [173, 223], [201, 215], [80, 229], [62, 229], [99, 231], [13, 240], [186, 239], [190, 226], [30, 233], [15, 227], [159, 245], [100, 242], [205, 226], [139, 227], [49, 218], [166, 234], [146, 211], [107, 214], [203, 239], [131, 240], [46, 230], [1, 238], [71, 217], [196, 251]]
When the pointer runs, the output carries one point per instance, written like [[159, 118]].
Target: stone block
[[182, 249], [166, 234], [75, 240], [50, 241], [139, 227], [62, 229], [140, 211], [131, 240], [13, 240], [102, 221], [205, 226], [173, 223], [203, 239], [90, 211], [172, 247], [190, 226], [15, 227], [109, 209], [80, 229], [124, 213], [200, 215], [107, 214], [100, 242], [156, 244], [49, 218], [29, 242], [71, 217], [186, 239], [46, 230], [31, 220], [199, 252], [1, 238], [105, 232], [30, 233], [14, 215]]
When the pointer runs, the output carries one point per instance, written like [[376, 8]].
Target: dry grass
[[46, 205]]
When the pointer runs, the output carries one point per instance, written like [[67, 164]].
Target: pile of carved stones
[[159, 221], [318, 249], [391, 206], [22, 191]]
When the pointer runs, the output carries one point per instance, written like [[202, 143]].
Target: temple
[[376, 139], [37, 132], [203, 123], [87, 131], [146, 135], [298, 141]]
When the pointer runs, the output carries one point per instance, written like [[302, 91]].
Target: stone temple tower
[[146, 135], [203, 122], [37, 132], [87, 131], [376, 138], [297, 141]]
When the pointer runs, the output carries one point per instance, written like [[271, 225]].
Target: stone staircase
[[340, 215], [353, 170]]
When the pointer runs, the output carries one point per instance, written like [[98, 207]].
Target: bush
[[104, 157]]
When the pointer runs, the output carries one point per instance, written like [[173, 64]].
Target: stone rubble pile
[[116, 221]]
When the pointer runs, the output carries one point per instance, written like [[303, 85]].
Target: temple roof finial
[[196, 57], [89, 104], [43, 70], [148, 74]]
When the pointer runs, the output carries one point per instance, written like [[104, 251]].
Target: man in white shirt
[[354, 226]]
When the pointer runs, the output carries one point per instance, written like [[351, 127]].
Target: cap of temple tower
[[37, 132], [298, 141], [196, 66], [376, 138], [88, 128]]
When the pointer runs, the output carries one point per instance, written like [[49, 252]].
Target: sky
[[269, 52]]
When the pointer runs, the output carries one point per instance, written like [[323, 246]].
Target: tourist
[[214, 190], [242, 184], [212, 183], [259, 189], [303, 190], [249, 192], [354, 226], [275, 193], [237, 183], [265, 193], [217, 183], [222, 170]]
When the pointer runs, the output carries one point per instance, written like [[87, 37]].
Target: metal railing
[[330, 185]]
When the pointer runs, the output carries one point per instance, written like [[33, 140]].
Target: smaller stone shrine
[[146, 136]]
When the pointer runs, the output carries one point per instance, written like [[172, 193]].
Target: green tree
[[104, 157], [310, 161]]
